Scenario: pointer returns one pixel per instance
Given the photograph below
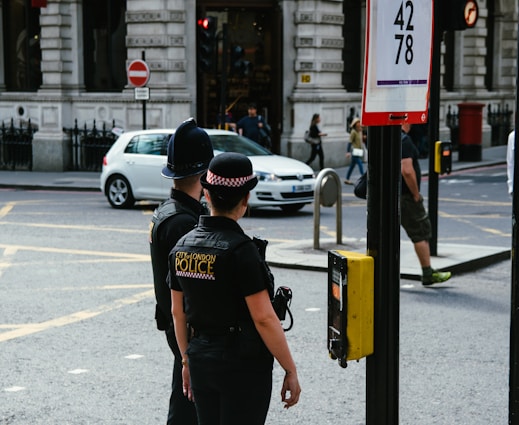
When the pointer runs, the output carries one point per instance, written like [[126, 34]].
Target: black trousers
[[317, 150], [181, 410], [228, 389]]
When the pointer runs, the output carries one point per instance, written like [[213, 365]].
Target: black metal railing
[[500, 123], [452, 121], [16, 146], [89, 145]]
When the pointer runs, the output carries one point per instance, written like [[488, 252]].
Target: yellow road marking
[[76, 227], [74, 317], [129, 256], [6, 209], [481, 228], [5, 263]]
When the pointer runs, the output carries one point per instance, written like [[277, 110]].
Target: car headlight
[[267, 177]]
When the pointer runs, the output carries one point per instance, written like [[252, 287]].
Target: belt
[[217, 331]]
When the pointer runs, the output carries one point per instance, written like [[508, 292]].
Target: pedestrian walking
[[222, 287], [414, 217], [317, 148], [189, 153], [510, 159], [355, 150]]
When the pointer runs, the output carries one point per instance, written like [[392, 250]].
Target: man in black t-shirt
[[414, 218], [254, 127]]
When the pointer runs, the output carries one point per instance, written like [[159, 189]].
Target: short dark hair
[[225, 202], [252, 105]]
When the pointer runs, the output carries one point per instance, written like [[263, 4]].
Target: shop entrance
[[253, 66]]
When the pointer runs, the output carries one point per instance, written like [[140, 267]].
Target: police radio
[[283, 295]]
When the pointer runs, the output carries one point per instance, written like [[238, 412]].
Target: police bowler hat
[[229, 173], [189, 151]]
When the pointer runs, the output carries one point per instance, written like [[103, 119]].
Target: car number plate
[[302, 188]]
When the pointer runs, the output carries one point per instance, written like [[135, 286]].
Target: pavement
[[300, 254]]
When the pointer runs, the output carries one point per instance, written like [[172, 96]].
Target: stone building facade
[[67, 63]]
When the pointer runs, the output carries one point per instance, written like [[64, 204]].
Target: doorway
[[250, 39]]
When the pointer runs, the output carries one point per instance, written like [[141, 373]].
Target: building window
[[104, 43], [352, 51], [22, 54]]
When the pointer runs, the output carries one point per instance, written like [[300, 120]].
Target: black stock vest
[[159, 256], [217, 265]]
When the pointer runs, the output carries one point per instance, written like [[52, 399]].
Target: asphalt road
[[78, 343]]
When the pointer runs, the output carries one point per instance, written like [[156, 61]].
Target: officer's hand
[[290, 385], [186, 383]]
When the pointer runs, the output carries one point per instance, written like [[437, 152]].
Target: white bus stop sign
[[399, 39]]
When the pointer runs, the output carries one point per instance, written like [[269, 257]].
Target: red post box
[[470, 116]]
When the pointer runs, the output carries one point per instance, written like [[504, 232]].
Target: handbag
[[264, 139], [358, 152], [360, 189], [311, 140], [264, 134]]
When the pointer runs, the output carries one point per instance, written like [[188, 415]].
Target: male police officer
[[189, 153]]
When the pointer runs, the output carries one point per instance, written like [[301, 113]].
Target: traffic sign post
[[138, 73], [138, 76], [397, 74], [398, 62]]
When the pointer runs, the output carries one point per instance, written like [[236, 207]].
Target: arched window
[[22, 54], [104, 45]]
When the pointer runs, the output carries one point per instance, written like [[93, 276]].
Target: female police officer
[[222, 288]]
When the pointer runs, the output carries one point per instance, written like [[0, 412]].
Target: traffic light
[[443, 157], [458, 14], [239, 66], [207, 43]]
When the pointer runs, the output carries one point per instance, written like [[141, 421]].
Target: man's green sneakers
[[436, 277]]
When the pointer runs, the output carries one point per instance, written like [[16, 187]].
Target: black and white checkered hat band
[[216, 180]]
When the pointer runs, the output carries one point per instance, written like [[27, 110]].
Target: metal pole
[[434, 133], [223, 82], [513, 402], [383, 244], [143, 57]]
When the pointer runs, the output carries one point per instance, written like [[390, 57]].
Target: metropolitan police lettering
[[194, 265]]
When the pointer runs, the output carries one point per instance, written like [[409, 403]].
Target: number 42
[[400, 22]]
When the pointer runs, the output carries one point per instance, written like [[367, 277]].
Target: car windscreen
[[237, 143]]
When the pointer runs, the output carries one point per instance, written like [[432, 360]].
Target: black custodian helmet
[[189, 151]]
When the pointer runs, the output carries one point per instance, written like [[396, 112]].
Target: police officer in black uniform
[[222, 287], [189, 153]]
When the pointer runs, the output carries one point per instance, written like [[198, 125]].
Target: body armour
[[159, 262], [215, 266]]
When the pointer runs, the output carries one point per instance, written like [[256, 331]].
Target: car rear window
[[148, 144]]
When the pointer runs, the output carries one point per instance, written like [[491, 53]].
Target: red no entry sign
[[138, 73]]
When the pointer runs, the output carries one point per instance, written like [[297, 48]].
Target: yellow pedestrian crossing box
[[350, 305]]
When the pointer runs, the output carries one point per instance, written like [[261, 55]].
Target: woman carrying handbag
[[317, 146], [355, 149]]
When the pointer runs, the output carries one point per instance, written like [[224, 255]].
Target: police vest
[[159, 262], [199, 254]]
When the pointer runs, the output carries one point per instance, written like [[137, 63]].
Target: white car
[[132, 170]]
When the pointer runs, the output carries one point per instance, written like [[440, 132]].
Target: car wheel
[[292, 208], [119, 192]]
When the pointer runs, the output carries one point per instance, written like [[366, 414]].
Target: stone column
[[166, 32], [61, 67], [318, 68]]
